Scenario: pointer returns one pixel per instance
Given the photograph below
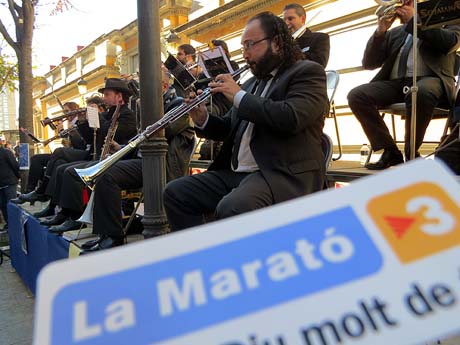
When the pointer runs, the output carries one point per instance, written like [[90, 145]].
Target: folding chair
[[332, 83], [447, 113]]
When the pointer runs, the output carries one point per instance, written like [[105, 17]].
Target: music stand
[[179, 72], [413, 89], [214, 62]]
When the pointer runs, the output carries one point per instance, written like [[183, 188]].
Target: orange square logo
[[417, 221]]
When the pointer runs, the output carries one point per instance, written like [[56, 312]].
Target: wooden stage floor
[[346, 171]]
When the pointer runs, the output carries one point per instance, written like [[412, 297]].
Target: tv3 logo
[[417, 221]]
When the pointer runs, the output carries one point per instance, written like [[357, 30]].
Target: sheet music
[[214, 62], [93, 117]]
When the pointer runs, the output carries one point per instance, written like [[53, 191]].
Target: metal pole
[[153, 150], [414, 88]]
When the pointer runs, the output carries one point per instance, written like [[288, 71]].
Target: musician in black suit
[[315, 45], [127, 174], [272, 141], [43, 165], [69, 195], [392, 51], [64, 157]]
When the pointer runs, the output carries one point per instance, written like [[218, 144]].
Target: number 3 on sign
[[442, 221], [417, 221]]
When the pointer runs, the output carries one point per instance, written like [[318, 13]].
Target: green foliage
[[8, 74]]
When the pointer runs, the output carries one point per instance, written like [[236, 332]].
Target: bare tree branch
[[7, 36], [13, 7]]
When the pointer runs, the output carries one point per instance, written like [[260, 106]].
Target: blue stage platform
[[32, 247]]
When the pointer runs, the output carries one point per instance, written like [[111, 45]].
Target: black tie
[[261, 84], [402, 67]]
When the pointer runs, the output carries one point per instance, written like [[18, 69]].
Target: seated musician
[[43, 165], [315, 45], [68, 192], [392, 51], [72, 157], [127, 174], [272, 135]]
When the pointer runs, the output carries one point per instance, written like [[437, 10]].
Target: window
[[88, 57], [133, 64]]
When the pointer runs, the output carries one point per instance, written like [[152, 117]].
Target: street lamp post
[[82, 85], [154, 149]]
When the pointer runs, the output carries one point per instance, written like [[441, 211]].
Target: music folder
[[437, 13], [179, 72], [214, 62]]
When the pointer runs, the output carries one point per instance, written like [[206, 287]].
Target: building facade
[[348, 23]]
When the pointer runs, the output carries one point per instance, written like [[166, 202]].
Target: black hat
[[117, 85]]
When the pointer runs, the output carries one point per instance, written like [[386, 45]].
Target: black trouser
[[223, 192], [37, 167], [71, 195], [365, 100], [54, 187], [60, 156], [107, 214], [127, 174], [6, 194]]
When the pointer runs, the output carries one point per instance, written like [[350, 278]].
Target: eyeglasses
[[247, 45]]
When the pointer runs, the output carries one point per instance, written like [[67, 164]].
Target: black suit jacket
[[288, 124], [9, 168], [317, 46], [437, 50], [126, 128]]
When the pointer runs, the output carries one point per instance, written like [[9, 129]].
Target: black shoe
[[91, 243], [17, 200], [68, 225], [57, 219], [4, 230], [105, 243], [388, 159], [46, 212], [33, 196]]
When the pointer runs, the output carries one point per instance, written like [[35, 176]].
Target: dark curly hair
[[275, 28]]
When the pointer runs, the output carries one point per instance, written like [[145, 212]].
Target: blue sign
[[23, 156], [177, 296]]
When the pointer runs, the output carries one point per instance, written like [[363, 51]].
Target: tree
[[23, 15]]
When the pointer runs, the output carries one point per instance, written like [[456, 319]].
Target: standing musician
[[392, 51], [272, 135], [315, 45], [127, 174], [43, 165], [69, 189]]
